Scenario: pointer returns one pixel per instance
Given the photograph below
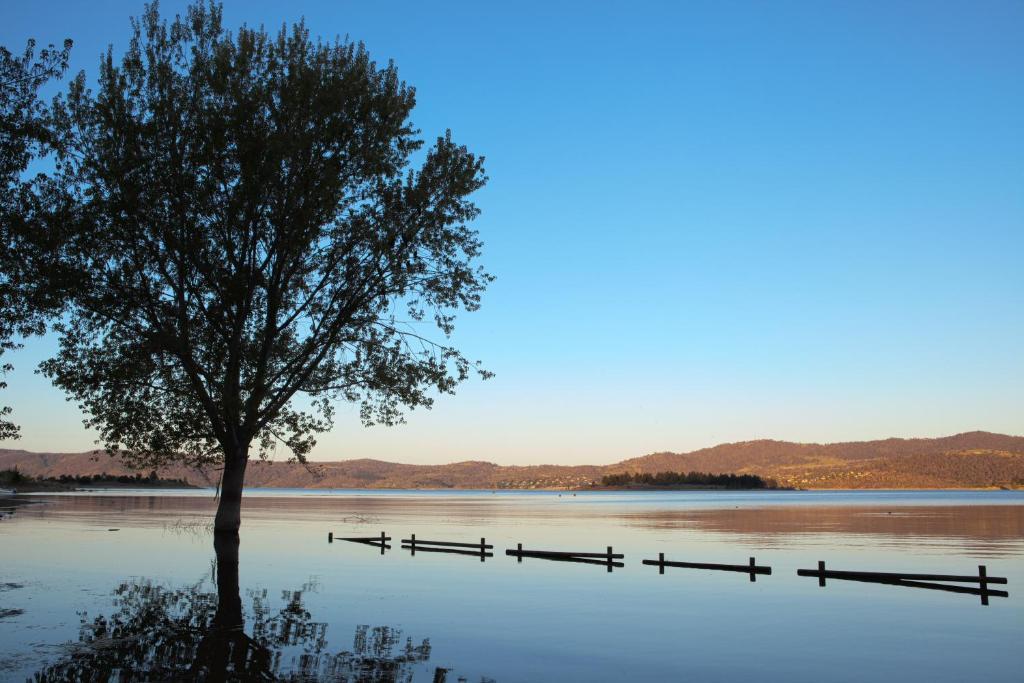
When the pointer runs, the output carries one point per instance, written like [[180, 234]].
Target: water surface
[[150, 601]]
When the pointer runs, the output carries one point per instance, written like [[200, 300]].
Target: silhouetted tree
[[252, 241], [24, 135]]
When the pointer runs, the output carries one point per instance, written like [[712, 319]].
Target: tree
[[24, 136], [251, 242]]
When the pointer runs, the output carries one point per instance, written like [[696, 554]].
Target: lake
[[126, 585]]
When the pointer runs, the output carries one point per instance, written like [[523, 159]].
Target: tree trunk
[[229, 511]]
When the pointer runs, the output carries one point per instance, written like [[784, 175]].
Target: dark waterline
[[298, 608]]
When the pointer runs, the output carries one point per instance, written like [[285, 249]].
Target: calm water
[[149, 601]]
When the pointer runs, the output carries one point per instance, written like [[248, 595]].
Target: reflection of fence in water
[[606, 558], [752, 568], [480, 549], [376, 541], [938, 582], [609, 559]]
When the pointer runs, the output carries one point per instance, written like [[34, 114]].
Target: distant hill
[[970, 460]]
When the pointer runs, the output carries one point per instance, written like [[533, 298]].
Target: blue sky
[[710, 221]]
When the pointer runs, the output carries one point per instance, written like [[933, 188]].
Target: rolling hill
[[969, 460]]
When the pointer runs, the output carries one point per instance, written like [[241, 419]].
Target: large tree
[[255, 232], [24, 136]]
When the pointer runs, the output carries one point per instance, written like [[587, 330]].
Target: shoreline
[[5, 492], [60, 487]]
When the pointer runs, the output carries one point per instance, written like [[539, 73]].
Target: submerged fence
[[750, 568], [612, 560], [940, 582], [452, 547], [376, 541], [606, 558]]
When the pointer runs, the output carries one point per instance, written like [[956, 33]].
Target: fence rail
[[915, 580], [752, 568], [457, 548], [376, 541], [606, 558]]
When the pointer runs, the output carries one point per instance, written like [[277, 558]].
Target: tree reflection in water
[[157, 634]]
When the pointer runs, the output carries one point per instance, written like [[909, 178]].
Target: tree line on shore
[[727, 481], [12, 477]]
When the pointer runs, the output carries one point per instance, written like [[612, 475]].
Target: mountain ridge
[[975, 459]]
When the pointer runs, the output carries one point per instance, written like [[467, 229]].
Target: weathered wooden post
[[483, 549], [752, 574], [821, 572], [983, 583], [330, 537], [661, 563], [383, 542], [412, 543], [519, 555], [609, 559]]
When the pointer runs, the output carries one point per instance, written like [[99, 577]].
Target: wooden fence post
[[661, 563], [821, 572], [330, 537], [412, 543], [752, 574], [609, 559], [983, 583], [519, 557], [483, 549]]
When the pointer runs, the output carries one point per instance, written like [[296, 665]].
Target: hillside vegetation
[[970, 460]]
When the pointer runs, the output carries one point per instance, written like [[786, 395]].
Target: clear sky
[[710, 221]]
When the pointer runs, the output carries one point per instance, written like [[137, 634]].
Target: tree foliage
[[24, 136], [254, 231]]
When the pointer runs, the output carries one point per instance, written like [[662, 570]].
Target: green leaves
[[25, 134], [251, 242]]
